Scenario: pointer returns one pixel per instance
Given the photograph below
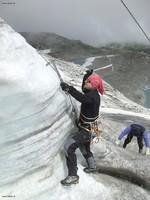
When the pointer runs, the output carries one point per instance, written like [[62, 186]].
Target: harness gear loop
[[97, 130], [91, 127]]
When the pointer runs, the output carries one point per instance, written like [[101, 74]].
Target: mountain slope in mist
[[130, 62]]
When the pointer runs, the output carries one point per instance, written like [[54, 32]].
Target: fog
[[95, 22]]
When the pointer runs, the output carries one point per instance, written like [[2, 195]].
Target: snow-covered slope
[[36, 119]]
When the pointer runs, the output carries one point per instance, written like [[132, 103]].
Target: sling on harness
[[91, 126]]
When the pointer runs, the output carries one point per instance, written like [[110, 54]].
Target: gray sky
[[95, 22]]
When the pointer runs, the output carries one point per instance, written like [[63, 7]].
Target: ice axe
[[103, 68]]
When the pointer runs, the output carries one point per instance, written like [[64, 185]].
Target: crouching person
[[90, 102], [139, 132]]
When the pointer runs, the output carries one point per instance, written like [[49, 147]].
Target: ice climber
[[139, 132], [92, 85]]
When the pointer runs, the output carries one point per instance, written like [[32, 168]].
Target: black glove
[[64, 86]]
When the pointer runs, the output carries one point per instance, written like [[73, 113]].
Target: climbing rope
[[58, 73], [135, 20], [53, 63]]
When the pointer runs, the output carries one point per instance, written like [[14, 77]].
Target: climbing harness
[[92, 126], [135, 20]]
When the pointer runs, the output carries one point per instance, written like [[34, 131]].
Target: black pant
[[79, 140], [139, 140]]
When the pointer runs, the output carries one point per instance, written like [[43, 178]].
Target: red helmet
[[96, 82]]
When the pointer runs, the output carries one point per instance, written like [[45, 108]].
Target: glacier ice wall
[[34, 117]]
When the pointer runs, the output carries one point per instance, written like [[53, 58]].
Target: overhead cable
[[135, 20]]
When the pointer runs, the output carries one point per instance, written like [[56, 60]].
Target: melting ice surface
[[34, 118]]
